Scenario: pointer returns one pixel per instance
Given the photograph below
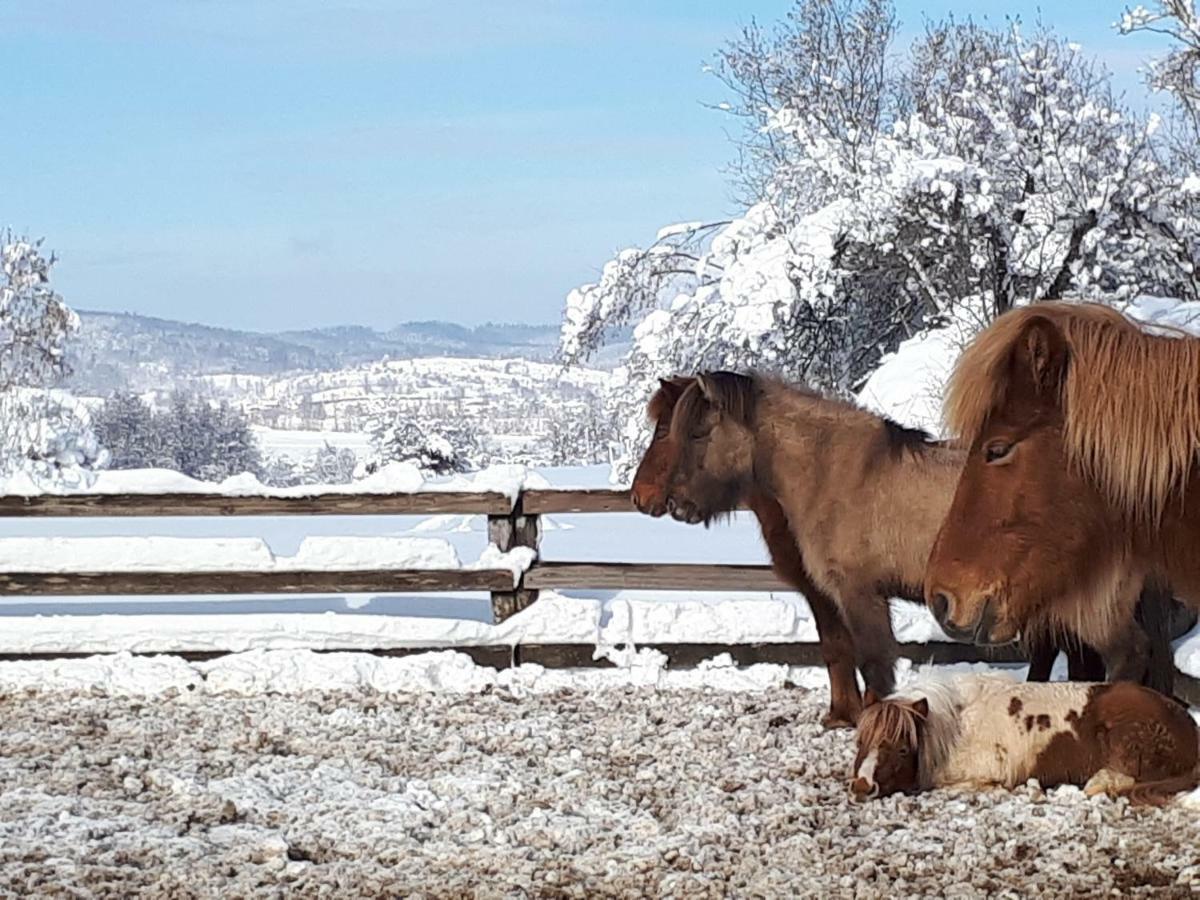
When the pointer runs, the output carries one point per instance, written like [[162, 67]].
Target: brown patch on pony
[[1015, 706], [1130, 730], [1130, 399], [1029, 723], [1043, 722]]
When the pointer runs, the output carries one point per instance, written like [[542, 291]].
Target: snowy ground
[[286, 773]]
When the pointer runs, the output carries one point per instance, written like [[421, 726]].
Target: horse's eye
[[904, 751], [996, 451]]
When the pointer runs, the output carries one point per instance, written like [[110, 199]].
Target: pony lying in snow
[[978, 731]]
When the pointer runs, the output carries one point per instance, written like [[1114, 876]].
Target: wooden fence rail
[[510, 524]]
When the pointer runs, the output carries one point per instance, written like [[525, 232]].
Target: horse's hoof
[[833, 721]]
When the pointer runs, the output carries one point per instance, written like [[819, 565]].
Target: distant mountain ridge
[[125, 350]]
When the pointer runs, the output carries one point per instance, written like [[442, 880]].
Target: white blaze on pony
[[979, 731]]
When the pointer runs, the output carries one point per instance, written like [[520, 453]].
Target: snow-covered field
[[291, 774]]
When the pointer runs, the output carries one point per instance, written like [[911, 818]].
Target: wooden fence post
[[513, 530]]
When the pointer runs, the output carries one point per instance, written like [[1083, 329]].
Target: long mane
[[1130, 400]]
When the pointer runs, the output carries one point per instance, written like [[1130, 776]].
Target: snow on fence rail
[[513, 523]]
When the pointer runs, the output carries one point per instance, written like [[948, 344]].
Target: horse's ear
[[1042, 352], [708, 389], [870, 698], [921, 707]]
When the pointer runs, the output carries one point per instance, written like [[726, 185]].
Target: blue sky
[[276, 165]]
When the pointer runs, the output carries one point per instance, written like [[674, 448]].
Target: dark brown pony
[[649, 495], [1079, 484], [876, 656]]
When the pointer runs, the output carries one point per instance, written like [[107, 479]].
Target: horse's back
[[1144, 734]]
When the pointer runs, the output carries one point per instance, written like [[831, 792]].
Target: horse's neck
[[810, 448]]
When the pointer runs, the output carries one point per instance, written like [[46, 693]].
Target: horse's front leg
[[875, 649], [837, 649]]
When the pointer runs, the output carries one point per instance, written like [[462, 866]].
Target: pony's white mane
[[946, 695]]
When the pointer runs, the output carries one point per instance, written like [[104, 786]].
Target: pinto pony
[[979, 731], [851, 507], [1079, 483]]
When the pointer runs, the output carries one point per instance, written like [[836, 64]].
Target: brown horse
[[1083, 433], [663, 481], [979, 731]]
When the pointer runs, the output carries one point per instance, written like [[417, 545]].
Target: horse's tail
[[1158, 793]]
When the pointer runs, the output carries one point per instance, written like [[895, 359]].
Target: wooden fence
[[509, 525]]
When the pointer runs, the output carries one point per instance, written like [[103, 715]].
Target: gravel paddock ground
[[620, 792]]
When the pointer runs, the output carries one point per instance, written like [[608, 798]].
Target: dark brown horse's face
[[888, 764], [714, 466], [649, 492], [1024, 528]]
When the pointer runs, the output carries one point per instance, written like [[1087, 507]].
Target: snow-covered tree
[[397, 438], [191, 435], [994, 168], [45, 434], [330, 465], [281, 471], [579, 436], [210, 442], [129, 429]]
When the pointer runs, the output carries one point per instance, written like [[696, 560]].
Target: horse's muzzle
[[975, 630], [862, 790]]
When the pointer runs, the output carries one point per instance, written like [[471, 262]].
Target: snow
[[623, 619], [171, 554], [305, 774], [907, 387], [394, 478], [1187, 653], [679, 228]]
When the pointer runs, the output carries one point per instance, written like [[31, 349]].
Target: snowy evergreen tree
[[282, 471], [397, 438], [330, 465], [192, 436], [128, 428]]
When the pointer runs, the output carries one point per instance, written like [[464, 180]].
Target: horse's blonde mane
[[1130, 399]]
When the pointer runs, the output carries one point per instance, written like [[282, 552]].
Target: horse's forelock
[[889, 721], [730, 393], [667, 396], [687, 414]]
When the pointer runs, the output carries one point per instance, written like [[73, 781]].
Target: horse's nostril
[[861, 789], [940, 605]]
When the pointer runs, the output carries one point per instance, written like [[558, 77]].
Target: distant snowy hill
[[116, 350], [301, 389], [121, 350], [502, 396]]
